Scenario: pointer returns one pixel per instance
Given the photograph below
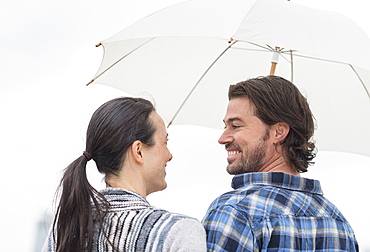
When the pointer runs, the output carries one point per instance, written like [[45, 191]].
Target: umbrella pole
[[273, 67], [274, 61]]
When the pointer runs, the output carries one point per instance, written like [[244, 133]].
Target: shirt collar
[[277, 179]]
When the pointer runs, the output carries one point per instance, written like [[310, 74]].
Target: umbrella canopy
[[185, 56]]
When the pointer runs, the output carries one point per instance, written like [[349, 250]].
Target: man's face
[[245, 138]]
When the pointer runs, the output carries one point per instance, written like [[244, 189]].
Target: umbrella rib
[[291, 65], [310, 57], [250, 49], [339, 62], [362, 83], [112, 65], [200, 79], [267, 47], [264, 49]]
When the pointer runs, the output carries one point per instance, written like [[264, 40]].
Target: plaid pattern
[[276, 212]]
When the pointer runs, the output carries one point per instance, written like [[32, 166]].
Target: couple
[[268, 127]]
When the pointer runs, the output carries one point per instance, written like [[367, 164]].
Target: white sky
[[48, 54]]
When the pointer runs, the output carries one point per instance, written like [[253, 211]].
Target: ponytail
[[73, 224]]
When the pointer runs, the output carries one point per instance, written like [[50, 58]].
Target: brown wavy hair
[[277, 100]]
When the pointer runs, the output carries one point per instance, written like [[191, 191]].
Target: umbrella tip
[[90, 82], [230, 40], [97, 45]]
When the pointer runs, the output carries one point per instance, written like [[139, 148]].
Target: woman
[[127, 140]]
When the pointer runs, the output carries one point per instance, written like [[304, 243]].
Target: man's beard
[[252, 160]]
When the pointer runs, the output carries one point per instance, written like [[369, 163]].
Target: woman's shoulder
[[186, 234], [170, 218], [167, 231]]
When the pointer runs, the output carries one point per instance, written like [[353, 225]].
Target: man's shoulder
[[261, 201], [266, 202], [245, 195], [242, 201]]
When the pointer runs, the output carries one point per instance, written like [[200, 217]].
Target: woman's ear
[[136, 151], [281, 130]]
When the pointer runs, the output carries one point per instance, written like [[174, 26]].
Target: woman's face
[[156, 157]]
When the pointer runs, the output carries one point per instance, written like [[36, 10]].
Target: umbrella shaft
[[272, 69]]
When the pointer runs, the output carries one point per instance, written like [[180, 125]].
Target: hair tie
[[87, 155]]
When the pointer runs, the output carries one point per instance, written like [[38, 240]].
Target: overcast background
[[48, 54]]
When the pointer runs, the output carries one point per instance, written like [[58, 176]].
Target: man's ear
[[281, 130], [136, 151]]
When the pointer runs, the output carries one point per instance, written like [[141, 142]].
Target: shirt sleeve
[[186, 235], [228, 230]]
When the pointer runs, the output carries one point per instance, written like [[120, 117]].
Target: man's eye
[[232, 126]]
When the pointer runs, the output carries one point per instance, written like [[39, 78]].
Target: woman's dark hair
[[112, 129], [277, 100]]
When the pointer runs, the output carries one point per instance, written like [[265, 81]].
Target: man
[[268, 131]]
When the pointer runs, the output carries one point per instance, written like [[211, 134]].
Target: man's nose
[[225, 138]]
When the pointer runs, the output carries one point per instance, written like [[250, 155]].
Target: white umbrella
[[185, 56]]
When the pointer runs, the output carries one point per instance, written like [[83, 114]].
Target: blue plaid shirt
[[276, 212]]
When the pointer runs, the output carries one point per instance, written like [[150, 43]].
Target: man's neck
[[279, 164]]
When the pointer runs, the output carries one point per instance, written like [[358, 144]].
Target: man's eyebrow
[[233, 119]]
